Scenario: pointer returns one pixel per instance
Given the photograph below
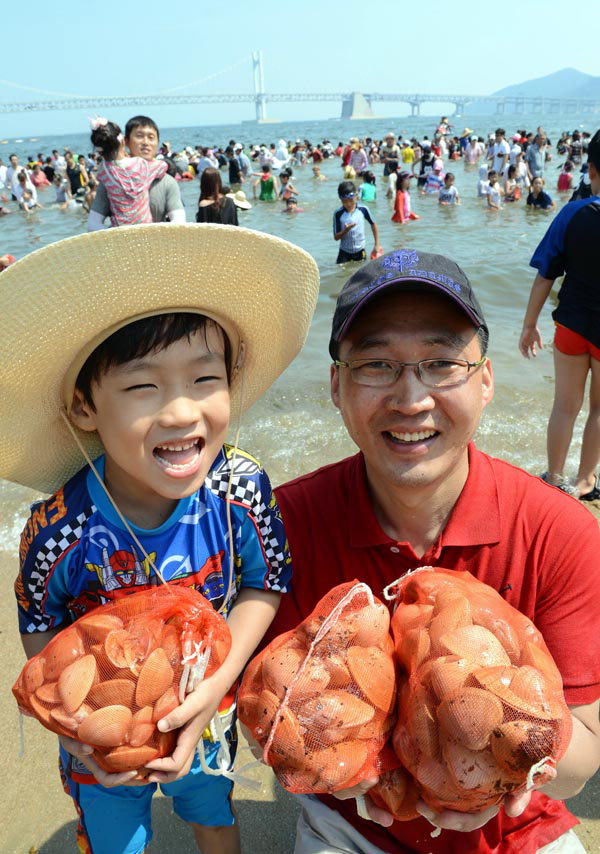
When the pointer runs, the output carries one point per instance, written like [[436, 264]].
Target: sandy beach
[[36, 816]]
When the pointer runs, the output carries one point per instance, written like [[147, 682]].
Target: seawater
[[294, 427]]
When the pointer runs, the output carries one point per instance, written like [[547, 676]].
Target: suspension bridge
[[354, 105]]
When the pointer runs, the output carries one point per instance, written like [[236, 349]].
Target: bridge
[[355, 105]]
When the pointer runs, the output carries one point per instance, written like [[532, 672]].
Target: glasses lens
[[376, 372], [441, 372]]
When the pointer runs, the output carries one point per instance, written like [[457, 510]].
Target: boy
[[349, 226], [493, 191], [448, 195], [147, 380]]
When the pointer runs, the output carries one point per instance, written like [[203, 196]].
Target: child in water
[[126, 180], [435, 180], [291, 206], [268, 185], [565, 179], [367, 192], [448, 195], [483, 182], [512, 190], [287, 189], [538, 198], [494, 191], [402, 209]]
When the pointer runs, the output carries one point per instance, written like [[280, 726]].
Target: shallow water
[[295, 428]]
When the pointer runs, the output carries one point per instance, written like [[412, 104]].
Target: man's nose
[[408, 393]]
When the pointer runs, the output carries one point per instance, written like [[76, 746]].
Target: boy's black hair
[[140, 122], [593, 151], [137, 339], [346, 188]]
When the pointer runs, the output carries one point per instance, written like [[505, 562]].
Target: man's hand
[[513, 806], [375, 813]]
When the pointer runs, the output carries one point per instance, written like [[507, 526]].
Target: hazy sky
[[311, 46]]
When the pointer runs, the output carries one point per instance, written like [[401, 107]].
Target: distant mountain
[[567, 83]]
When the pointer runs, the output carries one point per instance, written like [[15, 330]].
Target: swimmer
[[317, 174], [402, 207], [449, 195], [538, 198], [494, 191], [291, 206]]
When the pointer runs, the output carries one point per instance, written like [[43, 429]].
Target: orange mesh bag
[[109, 677], [320, 699], [481, 712]]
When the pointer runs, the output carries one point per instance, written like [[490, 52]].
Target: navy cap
[[417, 270]]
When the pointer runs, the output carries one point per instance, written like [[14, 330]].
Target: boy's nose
[[180, 411]]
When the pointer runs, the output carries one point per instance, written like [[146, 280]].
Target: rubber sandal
[[594, 495], [562, 484]]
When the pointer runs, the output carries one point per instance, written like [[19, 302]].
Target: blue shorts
[[117, 820]]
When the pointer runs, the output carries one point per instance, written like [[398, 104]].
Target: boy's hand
[[192, 716], [83, 753]]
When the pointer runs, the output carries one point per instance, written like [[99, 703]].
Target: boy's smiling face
[[162, 420]]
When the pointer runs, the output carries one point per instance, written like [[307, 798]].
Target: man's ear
[[487, 384], [334, 377], [81, 413]]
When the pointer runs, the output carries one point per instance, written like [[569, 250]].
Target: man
[[245, 164], [535, 157], [141, 138], [389, 151], [499, 152], [236, 176], [12, 176], [411, 378]]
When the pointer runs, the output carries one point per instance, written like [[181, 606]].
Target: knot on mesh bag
[[320, 699], [481, 712], [107, 679]]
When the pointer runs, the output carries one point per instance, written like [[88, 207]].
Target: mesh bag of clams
[[320, 699], [481, 712], [110, 676]]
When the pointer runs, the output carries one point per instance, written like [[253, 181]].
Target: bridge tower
[[260, 100]]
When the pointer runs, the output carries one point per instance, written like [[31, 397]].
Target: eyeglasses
[[433, 373]]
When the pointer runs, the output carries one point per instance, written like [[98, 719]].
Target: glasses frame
[[416, 365]]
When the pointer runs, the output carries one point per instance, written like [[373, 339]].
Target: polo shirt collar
[[474, 521]]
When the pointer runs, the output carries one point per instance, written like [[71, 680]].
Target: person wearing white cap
[[134, 346], [389, 151]]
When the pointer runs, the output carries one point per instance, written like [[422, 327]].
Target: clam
[[395, 792], [373, 671], [75, 681], [140, 733], [534, 655], [105, 727], [156, 675], [476, 644], [499, 681], [410, 617], [165, 704], [372, 624], [426, 585], [129, 757], [33, 674], [62, 650], [517, 745], [433, 775], [413, 648], [41, 711], [112, 692], [70, 720], [529, 684], [339, 675], [97, 625], [338, 709], [379, 727], [125, 649], [280, 667], [448, 674], [486, 617], [336, 766], [165, 742], [469, 716], [48, 693], [287, 747], [455, 615], [446, 597], [422, 725], [170, 641], [471, 769]]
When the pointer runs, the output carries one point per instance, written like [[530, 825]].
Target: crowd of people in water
[[117, 181]]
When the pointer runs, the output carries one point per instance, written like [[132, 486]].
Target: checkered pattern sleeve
[[47, 548]]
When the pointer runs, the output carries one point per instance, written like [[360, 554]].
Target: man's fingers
[[452, 820], [356, 791]]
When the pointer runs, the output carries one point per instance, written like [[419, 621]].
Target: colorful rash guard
[[76, 554]]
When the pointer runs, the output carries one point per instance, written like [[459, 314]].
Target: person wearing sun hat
[[129, 348]]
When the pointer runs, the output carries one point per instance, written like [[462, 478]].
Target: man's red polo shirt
[[536, 546]]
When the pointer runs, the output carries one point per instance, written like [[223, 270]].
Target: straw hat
[[240, 200], [58, 303]]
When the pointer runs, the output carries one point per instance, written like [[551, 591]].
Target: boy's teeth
[[183, 446], [413, 437]]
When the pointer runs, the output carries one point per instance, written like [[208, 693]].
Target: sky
[[358, 45]]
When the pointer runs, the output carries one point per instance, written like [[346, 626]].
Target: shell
[[70, 721], [379, 727], [476, 644], [422, 726], [127, 649], [518, 745], [287, 748], [411, 617], [372, 624], [165, 742], [97, 625], [453, 616], [280, 667], [62, 650], [170, 641], [485, 616], [165, 704], [396, 793], [413, 648], [129, 757], [48, 693], [537, 657], [373, 671], [155, 677], [336, 766], [529, 684], [433, 775], [337, 709], [469, 716], [112, 692], [106, 727], [446, 597], [472, 769], [75, 681], [41, 712], [33, 674], [140, 733], [339, 675], [499, 680], [448, 674]]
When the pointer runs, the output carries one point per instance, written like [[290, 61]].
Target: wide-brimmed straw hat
[[239, 199], [58, 303]]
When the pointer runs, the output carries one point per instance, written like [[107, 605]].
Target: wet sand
[[36, 817]]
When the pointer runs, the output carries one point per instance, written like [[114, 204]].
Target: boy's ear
[[81, 414]]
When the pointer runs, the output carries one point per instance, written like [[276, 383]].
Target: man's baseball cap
[[409, 267]]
